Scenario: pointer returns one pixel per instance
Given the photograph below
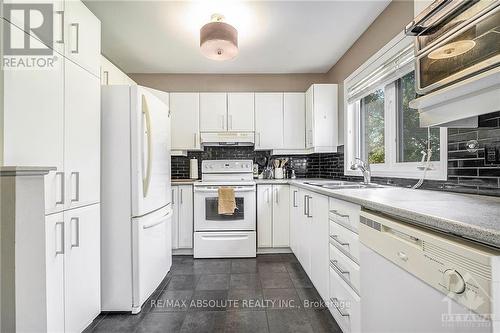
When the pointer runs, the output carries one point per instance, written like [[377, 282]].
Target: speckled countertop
[[470, 216], [473, 217]]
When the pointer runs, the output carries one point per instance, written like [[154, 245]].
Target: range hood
[[227, 139]]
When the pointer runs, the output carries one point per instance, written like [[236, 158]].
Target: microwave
[[455, 40]]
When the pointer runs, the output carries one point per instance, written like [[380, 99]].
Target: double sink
[[339, 185]]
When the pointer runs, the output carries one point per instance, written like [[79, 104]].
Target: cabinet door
[[264, 215], [54, 244], [268, 120], [309, 117], [82, 136], [240, 112], [185, 124], [281, 216], [186, 216], [295, 213], [294, 121], [82, 36], [175, 217], [305, 233], [213, 111], [34, 125], [110, 74], [318, 243], [82, 267], [325, 116]]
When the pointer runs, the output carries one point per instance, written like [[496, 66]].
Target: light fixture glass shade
[[219, 41]]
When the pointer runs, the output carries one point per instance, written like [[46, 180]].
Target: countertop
[[473, 217]]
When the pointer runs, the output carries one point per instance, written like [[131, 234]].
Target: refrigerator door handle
[[146, 180], [163, 219]]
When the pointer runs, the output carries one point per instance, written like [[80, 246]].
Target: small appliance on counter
[[193, 168]]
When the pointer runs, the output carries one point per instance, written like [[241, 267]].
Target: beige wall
[[228, 82]]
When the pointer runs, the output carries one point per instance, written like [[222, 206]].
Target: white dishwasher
[[416, 280]]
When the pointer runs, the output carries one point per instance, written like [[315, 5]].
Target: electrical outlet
[[492, 154]]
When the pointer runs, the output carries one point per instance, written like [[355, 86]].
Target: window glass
[[412, 139], [372, 127]]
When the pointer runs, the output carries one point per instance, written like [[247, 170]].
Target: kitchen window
[[381, 128]]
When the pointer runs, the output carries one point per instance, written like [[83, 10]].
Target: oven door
[[458, 47], [206, 203]]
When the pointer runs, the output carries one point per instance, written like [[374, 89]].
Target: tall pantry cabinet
[[52, 118]]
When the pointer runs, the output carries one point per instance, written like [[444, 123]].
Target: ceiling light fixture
[[218, 40]]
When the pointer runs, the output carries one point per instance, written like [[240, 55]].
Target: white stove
[[224, 236]]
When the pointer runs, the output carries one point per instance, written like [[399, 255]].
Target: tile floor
[[271, 293]]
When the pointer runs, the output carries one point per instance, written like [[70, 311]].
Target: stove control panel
[[226, 166]]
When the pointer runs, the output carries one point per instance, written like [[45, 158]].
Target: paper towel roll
[[193, 168]]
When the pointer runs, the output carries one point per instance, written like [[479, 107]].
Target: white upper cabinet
[[240, 112], [268, 120], [213, 112], [110, 74], [82, 136], [82, 34], [322, 118], [185, 109], [294, 118]]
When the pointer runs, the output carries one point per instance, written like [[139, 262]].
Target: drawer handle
[[336, 266], [339, 214], [338, 240], [335, 303]]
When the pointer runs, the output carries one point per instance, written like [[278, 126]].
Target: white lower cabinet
[[73, 269], [182, 220], [273, 216], [295, 216]]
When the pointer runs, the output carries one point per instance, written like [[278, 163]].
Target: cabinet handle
[[258, 135], [106, 77], [339, 268], [173, 201], [276, 195], [267, 195], [77, 186], [195, 139], [61, 189], [305, 204], [61, 237], [339, 241], [77, 27], [221, 122], [182, 199], [294, 198], [76, 222], [309, 206], [230, 122], [61, 41], [338, 214]]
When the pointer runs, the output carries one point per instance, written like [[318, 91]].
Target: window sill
[[408, 172]]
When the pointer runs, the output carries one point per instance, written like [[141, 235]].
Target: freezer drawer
[[225, 244]]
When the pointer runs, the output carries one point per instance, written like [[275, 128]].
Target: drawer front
[[345, 240], [344, 304], [225, 244], [347, 269], [345, 214]]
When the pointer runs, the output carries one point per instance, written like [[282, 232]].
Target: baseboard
[[268, 250], [182, 252]]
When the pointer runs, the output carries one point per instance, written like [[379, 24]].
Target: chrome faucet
[[365, 169]]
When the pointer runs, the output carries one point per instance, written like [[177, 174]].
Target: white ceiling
[[274, 36]]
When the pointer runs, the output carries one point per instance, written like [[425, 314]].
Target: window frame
[[391, 168]]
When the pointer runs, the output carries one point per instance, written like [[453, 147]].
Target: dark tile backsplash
[[467, 171]]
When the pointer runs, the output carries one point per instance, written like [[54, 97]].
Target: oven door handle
[[236, 190], [433, 15]]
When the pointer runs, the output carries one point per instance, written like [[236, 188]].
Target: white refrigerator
[[136, 210]]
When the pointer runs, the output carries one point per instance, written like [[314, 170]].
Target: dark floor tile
[[282, 298], [246, 322], [289, 257], [183, 282], [243, 266], [301, 281], [118, 323], [161, 322], [182, 259], [310, 298], [212, 266], [172, 300], [245, 281], [209, 300], [94, 323], [276, 280], [204, 321], [183, 268], [269, 258], [322, 321], [288, 321], [246, 299], [271, 267], [295, 269], [213, 282]]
